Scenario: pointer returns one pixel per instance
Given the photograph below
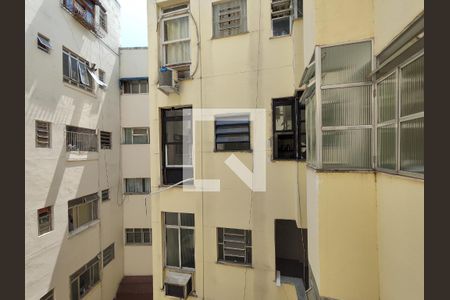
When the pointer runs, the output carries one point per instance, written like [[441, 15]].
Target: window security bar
[[81, 141]]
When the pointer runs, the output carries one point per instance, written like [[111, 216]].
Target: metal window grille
[[42, 134], [44, 220], [85, 278], [105, 140], [179, 240], [137, 185], [105, 195], [282, 12], [75, 71], [108, 254], [82, 211], [48, 296], [81, 139], [230, 18], [232, 133], [138, 236], [234, 245]]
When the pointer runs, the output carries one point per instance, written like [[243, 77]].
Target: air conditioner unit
[[177, 284], [168, 80]]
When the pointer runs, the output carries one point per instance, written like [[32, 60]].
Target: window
[[177, 145], [282, 11], [48, 296], [43, 43], [102, 78], [232, 133], [83, 280], [230, 18], [105, 140], [105, 195], [175, 39], [108, 254], [75, 70], [138, 236], [81, 139], [234, 245], [42, 134], [135, 86], [82, 211], [82, 10], [135, 136], [103, 20], [298, 6], [179, 236], [45, 220], [137, 185], [289, 130]]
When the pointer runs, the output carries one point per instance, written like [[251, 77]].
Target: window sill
[[243, 151], [81, 155], [181, 270], [227, 36], [279, 36], [83, 228], [45, 233], [128, 194], [76, 88], [232, 264], [134, 144]]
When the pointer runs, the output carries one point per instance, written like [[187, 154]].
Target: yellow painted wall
[[400, 237], [391, 17]]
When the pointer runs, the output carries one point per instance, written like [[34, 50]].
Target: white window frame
[[88, 200], [291, 17], [135, 134], [80, 61], [184, 12], [137, 193], [142, 233], [246, 247]]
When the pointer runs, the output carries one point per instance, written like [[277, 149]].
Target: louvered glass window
[[282, 13], [42, 134], [230, 18], [232, 133], [108, 254], [105, 140], [234, 246]]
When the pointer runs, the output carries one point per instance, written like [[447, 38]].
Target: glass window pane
[[84, 214], [138, 235], [74, 68], [172, 247], [284, 147], [176, 156], [347, 149], [134, 87], [281, 26], [171, 218], [140, 139], [127, 134], [346, 106], [129, 235], [412, 85], [177, 53], [144, 87], [66, 64], [311, 130], [178, 131], [187, 248], [74, 290], [127, 87], [348, 63], [283, 117], [411, 146], [386, 91], [187, 219], [176, 29], [386, 154]]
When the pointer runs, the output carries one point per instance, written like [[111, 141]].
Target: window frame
[[43, 43], [140, 82], [145, 183], [90, 201], [242, 20], [105, 140], [103, 19], [39, 144], [178, 227], [398, 120], [105, 192], [49, 295], [247, 234], [72, 56], [147, 135], [110, 255], [90, 268], [142, 231], [290, 17], [84, 4], [248, 126], [46, 228]]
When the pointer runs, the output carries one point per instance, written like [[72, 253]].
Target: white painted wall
[[51, 179]]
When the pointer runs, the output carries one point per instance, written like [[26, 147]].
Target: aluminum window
[[281, 14], [179, 240], [82, 10], [138, 236], [85, 278], [229, 18], [82, 211], [48, 296], [43, 134], [136, 136], [108, 254], [105, 195], [105, 140], [232, 133], [234, 245], [75, 71], [45, 220], [135, 87], [43, 43], [137, 185]]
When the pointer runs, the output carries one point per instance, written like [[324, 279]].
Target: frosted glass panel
[[346, 63], [346, 106], [412, 82], [386, 147], [386, 99], [411, 146], [177, 53], [311, 130], [176, 29], [346, 149]]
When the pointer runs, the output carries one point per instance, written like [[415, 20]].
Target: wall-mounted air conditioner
[[177, 284], [168, 80]]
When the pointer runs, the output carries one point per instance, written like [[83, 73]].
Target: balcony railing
[[81, 141]]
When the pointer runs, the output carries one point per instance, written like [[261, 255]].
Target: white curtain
[[177, 29]]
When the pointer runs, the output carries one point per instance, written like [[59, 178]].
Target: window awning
[[99, 82], [44, 42]]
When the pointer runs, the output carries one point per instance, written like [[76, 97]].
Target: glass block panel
[[386, 93], [412, 146], [386, 137], [411, 87], [346, 106], [344, 149], [348, 63]]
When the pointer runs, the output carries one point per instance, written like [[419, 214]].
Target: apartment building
[[74, 238]]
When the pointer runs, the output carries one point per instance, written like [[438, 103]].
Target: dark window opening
[[105, 140]]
